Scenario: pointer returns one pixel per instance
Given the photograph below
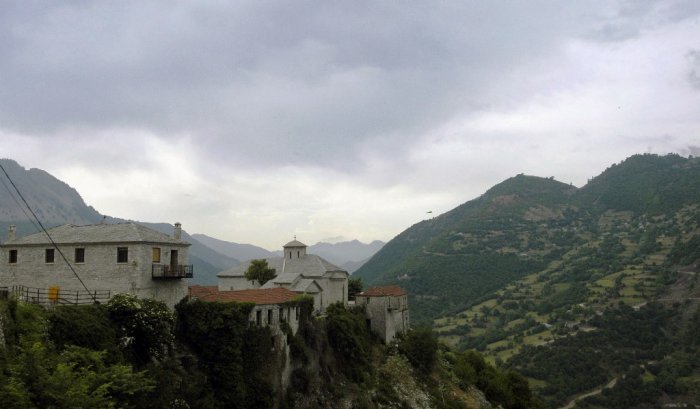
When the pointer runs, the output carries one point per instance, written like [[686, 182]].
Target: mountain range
[[590, 292], [349, 255], [520, 226], [56, 203]]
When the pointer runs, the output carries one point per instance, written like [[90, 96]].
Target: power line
[[47, 234], [12, 195]]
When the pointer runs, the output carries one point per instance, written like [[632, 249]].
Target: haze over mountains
[[539, 275], [346, 254], [57, 203]]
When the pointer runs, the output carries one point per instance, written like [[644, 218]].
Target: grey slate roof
[[98, 233], [295, 243], [288, 270], [306, 285]]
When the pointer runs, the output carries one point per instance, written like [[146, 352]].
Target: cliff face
[[137, 353]]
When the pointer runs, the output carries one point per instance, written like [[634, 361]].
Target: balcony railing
[[56, 296], [168, 272]]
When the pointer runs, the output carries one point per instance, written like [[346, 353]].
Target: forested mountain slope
[[601, 289], [452, 260], [521, 226]]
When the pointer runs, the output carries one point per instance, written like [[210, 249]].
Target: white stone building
[[296, 271], [272, 305], [119, 258], [386, 310], [274, 308]]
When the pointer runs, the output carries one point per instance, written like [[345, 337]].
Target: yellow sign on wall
[[53, 293]]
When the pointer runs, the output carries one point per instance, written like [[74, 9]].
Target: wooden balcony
[[168, 272]]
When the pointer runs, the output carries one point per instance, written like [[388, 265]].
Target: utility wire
[[94, 297], [12, 195]]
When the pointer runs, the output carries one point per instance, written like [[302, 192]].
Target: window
[[122, 254], [281, 314], [156, 254], [269, 316], [13, 257], [79, 255], [298, 254], [49, 256], [296, 311], [258, 317]]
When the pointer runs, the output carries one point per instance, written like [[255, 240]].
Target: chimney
[[178, 231], [12, 232]]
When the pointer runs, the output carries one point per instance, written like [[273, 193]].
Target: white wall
[[236, 283]]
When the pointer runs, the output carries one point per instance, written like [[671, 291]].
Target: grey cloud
[[628, 19], [692, 150], [694, 71], [260, 83]]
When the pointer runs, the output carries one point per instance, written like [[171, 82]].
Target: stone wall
[[99, 271], [236, 283], [388, 315]]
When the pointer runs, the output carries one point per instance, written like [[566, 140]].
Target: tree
[[354, 287], [259, 271], [145, 326], [420, 346], [350, 340]]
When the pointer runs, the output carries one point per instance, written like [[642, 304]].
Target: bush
[[145, 327], [234, 355], [349, 338], [86, 326], [420, 346]]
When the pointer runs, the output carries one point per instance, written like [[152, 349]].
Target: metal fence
[[57, 296]]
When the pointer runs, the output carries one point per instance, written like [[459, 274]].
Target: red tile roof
[[259, 296], [389, 290], [199, 291]]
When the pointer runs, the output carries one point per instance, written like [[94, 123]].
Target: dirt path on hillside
[[596, 391]]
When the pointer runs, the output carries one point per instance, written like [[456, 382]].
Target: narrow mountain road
[[596, 391]]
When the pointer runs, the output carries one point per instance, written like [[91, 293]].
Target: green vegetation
[[35, 373], [350, 339], [354, 287], [259, 271], [524, 273], [419, 346], [508, 389], [234, 356], [134, 353]]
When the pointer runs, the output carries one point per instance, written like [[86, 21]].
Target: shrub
[[349, 338], [420, 346], [145, 327]]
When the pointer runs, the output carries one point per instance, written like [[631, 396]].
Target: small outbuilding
[[386, 310], [272, 305]]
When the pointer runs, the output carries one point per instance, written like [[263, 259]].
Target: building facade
[[296, 271], [386, 310], [119, 258], [273, 306]]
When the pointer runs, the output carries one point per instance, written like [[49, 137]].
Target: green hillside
[[576, 288], [521, 226], [450, 261]]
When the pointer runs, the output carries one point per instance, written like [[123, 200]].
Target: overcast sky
[[256, 121]]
